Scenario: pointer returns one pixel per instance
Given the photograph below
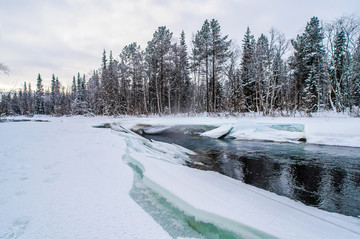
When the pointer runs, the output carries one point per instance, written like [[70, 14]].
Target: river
[[327, 177]]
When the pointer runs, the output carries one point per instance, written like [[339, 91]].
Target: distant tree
[[356, 74], [39, 96], [133, 62], [73, 89], [80, 104], [5, 107], [95, 94], [25, 100]]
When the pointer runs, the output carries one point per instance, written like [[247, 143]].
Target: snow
[[66, 179]]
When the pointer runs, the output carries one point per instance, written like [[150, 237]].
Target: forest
[[317, 71]]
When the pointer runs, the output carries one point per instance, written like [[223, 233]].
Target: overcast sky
[[68, 36]]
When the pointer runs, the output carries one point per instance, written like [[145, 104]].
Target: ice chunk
[[269, 132], [219, 132]]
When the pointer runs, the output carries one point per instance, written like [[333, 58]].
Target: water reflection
[[327, 177]]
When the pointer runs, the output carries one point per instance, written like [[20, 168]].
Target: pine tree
[[73, 89], [197, 61], [31, 98], [158, 57], [205, 39], [113, 86], [356, 74], [95, 94], [39, 96], [248, 75], [219, 52], [298, 65], [315, 65], [14, 105], [184, 91], [133, 62], [52, 93], [25, 100], [5, 107], [180, 75], [262, 60], [339, 68], [308, 63]]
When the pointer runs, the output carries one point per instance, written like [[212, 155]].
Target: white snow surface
[[65, 179]]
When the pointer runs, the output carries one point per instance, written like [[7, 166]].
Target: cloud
[[67, 36]]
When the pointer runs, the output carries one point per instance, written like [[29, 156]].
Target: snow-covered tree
[[248, 74], [159, 62], [181, 76], [308, 66], [133, 62], [356, 74], [220, 54]]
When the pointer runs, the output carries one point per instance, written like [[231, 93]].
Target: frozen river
[[327, 177]]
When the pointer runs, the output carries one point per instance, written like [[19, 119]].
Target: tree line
[[318, 70]]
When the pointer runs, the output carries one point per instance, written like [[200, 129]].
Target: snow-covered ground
[[66, 179]]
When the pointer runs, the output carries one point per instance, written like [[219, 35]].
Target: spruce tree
[[262, 75], [308, 65], [205, 39], [219, 52], [133, 62], [184, 94], [315, 65], [248, 76], [356, 74], [39, 96], [158, 58]]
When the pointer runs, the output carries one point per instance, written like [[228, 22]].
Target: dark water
[[327, 177]]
